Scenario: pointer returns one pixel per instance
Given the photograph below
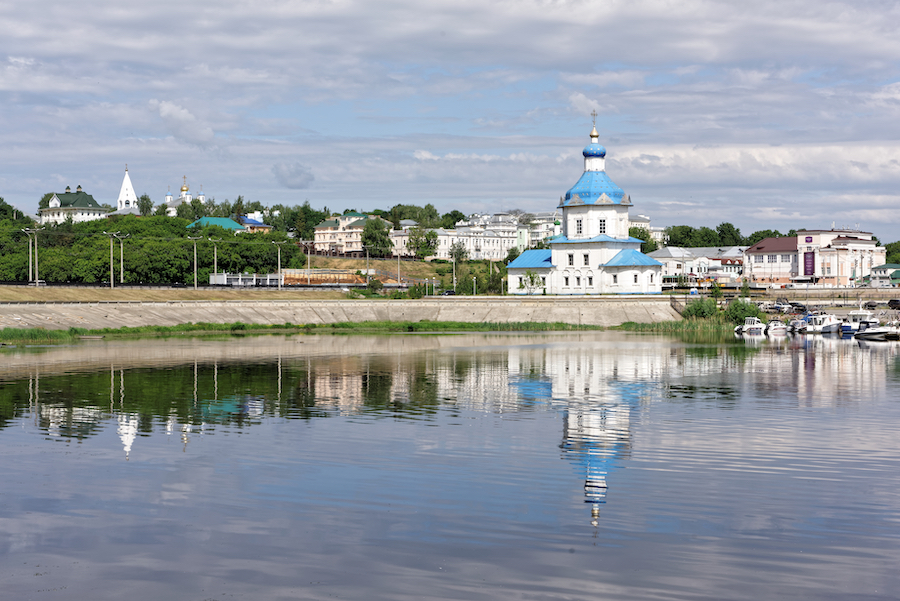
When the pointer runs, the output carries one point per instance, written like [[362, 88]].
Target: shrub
[[700, 308], [738, 310]]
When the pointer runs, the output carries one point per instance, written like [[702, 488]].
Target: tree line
[[155, 249]]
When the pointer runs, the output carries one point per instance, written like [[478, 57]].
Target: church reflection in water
[[599, 385]]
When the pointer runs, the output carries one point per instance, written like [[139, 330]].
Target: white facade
[[77, 206], [594, 254]]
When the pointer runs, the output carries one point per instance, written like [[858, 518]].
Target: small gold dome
[[594, 133], [184, 188]]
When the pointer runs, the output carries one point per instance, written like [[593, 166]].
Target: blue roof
[[630, 257], [248, 221], [601, 238], [591, 186], [532, 258]]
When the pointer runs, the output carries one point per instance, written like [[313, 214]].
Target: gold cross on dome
[[594, 115]]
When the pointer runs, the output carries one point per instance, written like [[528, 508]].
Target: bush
[[738, 310], [700, 308]]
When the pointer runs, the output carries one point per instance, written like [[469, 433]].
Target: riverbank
[[588, 311]]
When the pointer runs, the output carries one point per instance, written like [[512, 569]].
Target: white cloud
[[182, 124], [294, 175]]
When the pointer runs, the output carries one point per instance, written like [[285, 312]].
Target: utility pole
[[278, 246], [215, 255], [194, 239], [121, 240], [474, 286], [112, 273], [29, 232]]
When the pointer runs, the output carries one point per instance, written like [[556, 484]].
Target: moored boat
[[856, 318], [823, 323], [752, 326], [776, 328]]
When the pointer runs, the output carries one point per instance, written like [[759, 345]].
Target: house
[[253, 226], [723, 264], [772, 261], [594, 253], [79, 206], [342, 234], [886, 276]]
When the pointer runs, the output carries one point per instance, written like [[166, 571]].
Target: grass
[[708, 324], [42, 336]]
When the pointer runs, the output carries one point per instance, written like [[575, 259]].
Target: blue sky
[[767, 115]]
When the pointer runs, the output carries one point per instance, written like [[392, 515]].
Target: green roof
[[354, 214], [228, 224], [328, 223], [81, 200]]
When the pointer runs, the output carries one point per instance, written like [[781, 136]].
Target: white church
[[594, 254]]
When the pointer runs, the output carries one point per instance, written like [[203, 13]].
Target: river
[[599, 465]]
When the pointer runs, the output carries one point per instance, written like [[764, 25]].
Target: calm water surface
[[545, 466]]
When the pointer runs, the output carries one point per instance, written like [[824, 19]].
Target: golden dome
[[184, 188], [594, 133]]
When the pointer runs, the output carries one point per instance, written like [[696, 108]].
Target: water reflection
[[418, 430]]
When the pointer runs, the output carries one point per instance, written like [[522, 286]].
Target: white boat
[[797, 326], [855, 318], [752, 326], [776, 328], [823, 323], [890, 331]]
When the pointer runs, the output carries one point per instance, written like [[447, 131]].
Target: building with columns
[[594, 254]]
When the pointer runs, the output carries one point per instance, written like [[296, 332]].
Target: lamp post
[[194, 240], [29, 232], [215, 255], [112, 272], [278, 246], [121, 240], [474, 286]]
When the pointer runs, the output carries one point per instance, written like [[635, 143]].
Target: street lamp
[[112, 272], [215, 255], [278, 246], [474, 286], [29, 232], [194, 239], [121, 240]]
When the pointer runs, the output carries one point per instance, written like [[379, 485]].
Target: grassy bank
[[42, 336]]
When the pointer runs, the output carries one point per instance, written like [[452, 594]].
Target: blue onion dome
[[594, 150]]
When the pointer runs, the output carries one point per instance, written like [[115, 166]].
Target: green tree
[[761, 235], [44, 202], [641, 233], [376, 237], [729, 235], [449, 220], [512, 255], [459, 252], [704, 236], [145, 205], [679, 235], [422, 242]]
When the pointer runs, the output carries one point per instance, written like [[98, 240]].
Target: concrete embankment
[[600, 311]]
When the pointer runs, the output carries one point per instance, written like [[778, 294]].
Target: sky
[[767, 115]]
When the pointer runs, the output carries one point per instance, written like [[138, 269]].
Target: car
[[448, 293], [894, 303], [870, 305], [798, 308]]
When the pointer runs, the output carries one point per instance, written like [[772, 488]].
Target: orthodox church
[[127, 203], [172, 204], [594, 254]]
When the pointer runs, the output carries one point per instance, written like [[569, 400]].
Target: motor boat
[[823, 323], [857, 317], [776, 328], [797, 326], [879, 333], [752, 326]]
